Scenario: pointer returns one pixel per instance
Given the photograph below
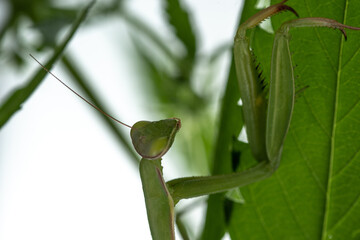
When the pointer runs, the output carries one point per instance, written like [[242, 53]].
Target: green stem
[[79, 79], [182, 228], [179, 221]]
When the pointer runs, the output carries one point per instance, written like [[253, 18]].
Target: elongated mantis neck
[[77, 94], [159, 203]]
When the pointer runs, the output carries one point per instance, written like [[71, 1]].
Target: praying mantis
[[267, 120]]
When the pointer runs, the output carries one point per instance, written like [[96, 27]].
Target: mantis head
[[153, 139]]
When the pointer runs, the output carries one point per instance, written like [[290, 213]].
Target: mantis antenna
[[77, 94]]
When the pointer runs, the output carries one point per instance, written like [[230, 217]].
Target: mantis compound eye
[[153, 139]]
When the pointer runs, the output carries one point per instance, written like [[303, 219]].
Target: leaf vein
[[352, 57], [315, 117], [348, 164], [292, 211], [305, 158], [347, 212], [333, 133], [258, 212], [350, 110]]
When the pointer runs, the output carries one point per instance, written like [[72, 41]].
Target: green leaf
[[315, 193], [14, 102], [179, 18]]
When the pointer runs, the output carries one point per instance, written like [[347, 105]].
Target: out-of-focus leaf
[[18, 97], [315, 193], [229, 127], [167, 87], [38, 14], [159, 80], [179, 18], [219, 51], [176, 98], [51, 21], [149, 33], [123, 140]]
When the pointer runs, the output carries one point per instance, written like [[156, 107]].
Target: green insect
[[267, 121], [151, 141]]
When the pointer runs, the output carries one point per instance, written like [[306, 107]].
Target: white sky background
[[61, 174]]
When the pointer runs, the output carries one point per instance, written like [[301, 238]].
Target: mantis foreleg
[[251, 89], [269, 135], [282, 84]]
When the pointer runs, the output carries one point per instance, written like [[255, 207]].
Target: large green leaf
[[315, 194]]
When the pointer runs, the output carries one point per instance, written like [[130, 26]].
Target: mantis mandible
[[267, 121]]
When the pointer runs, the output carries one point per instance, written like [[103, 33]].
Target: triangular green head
[[153, 139]]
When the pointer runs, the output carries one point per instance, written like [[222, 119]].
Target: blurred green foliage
[[45, 19], [170, 79]]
